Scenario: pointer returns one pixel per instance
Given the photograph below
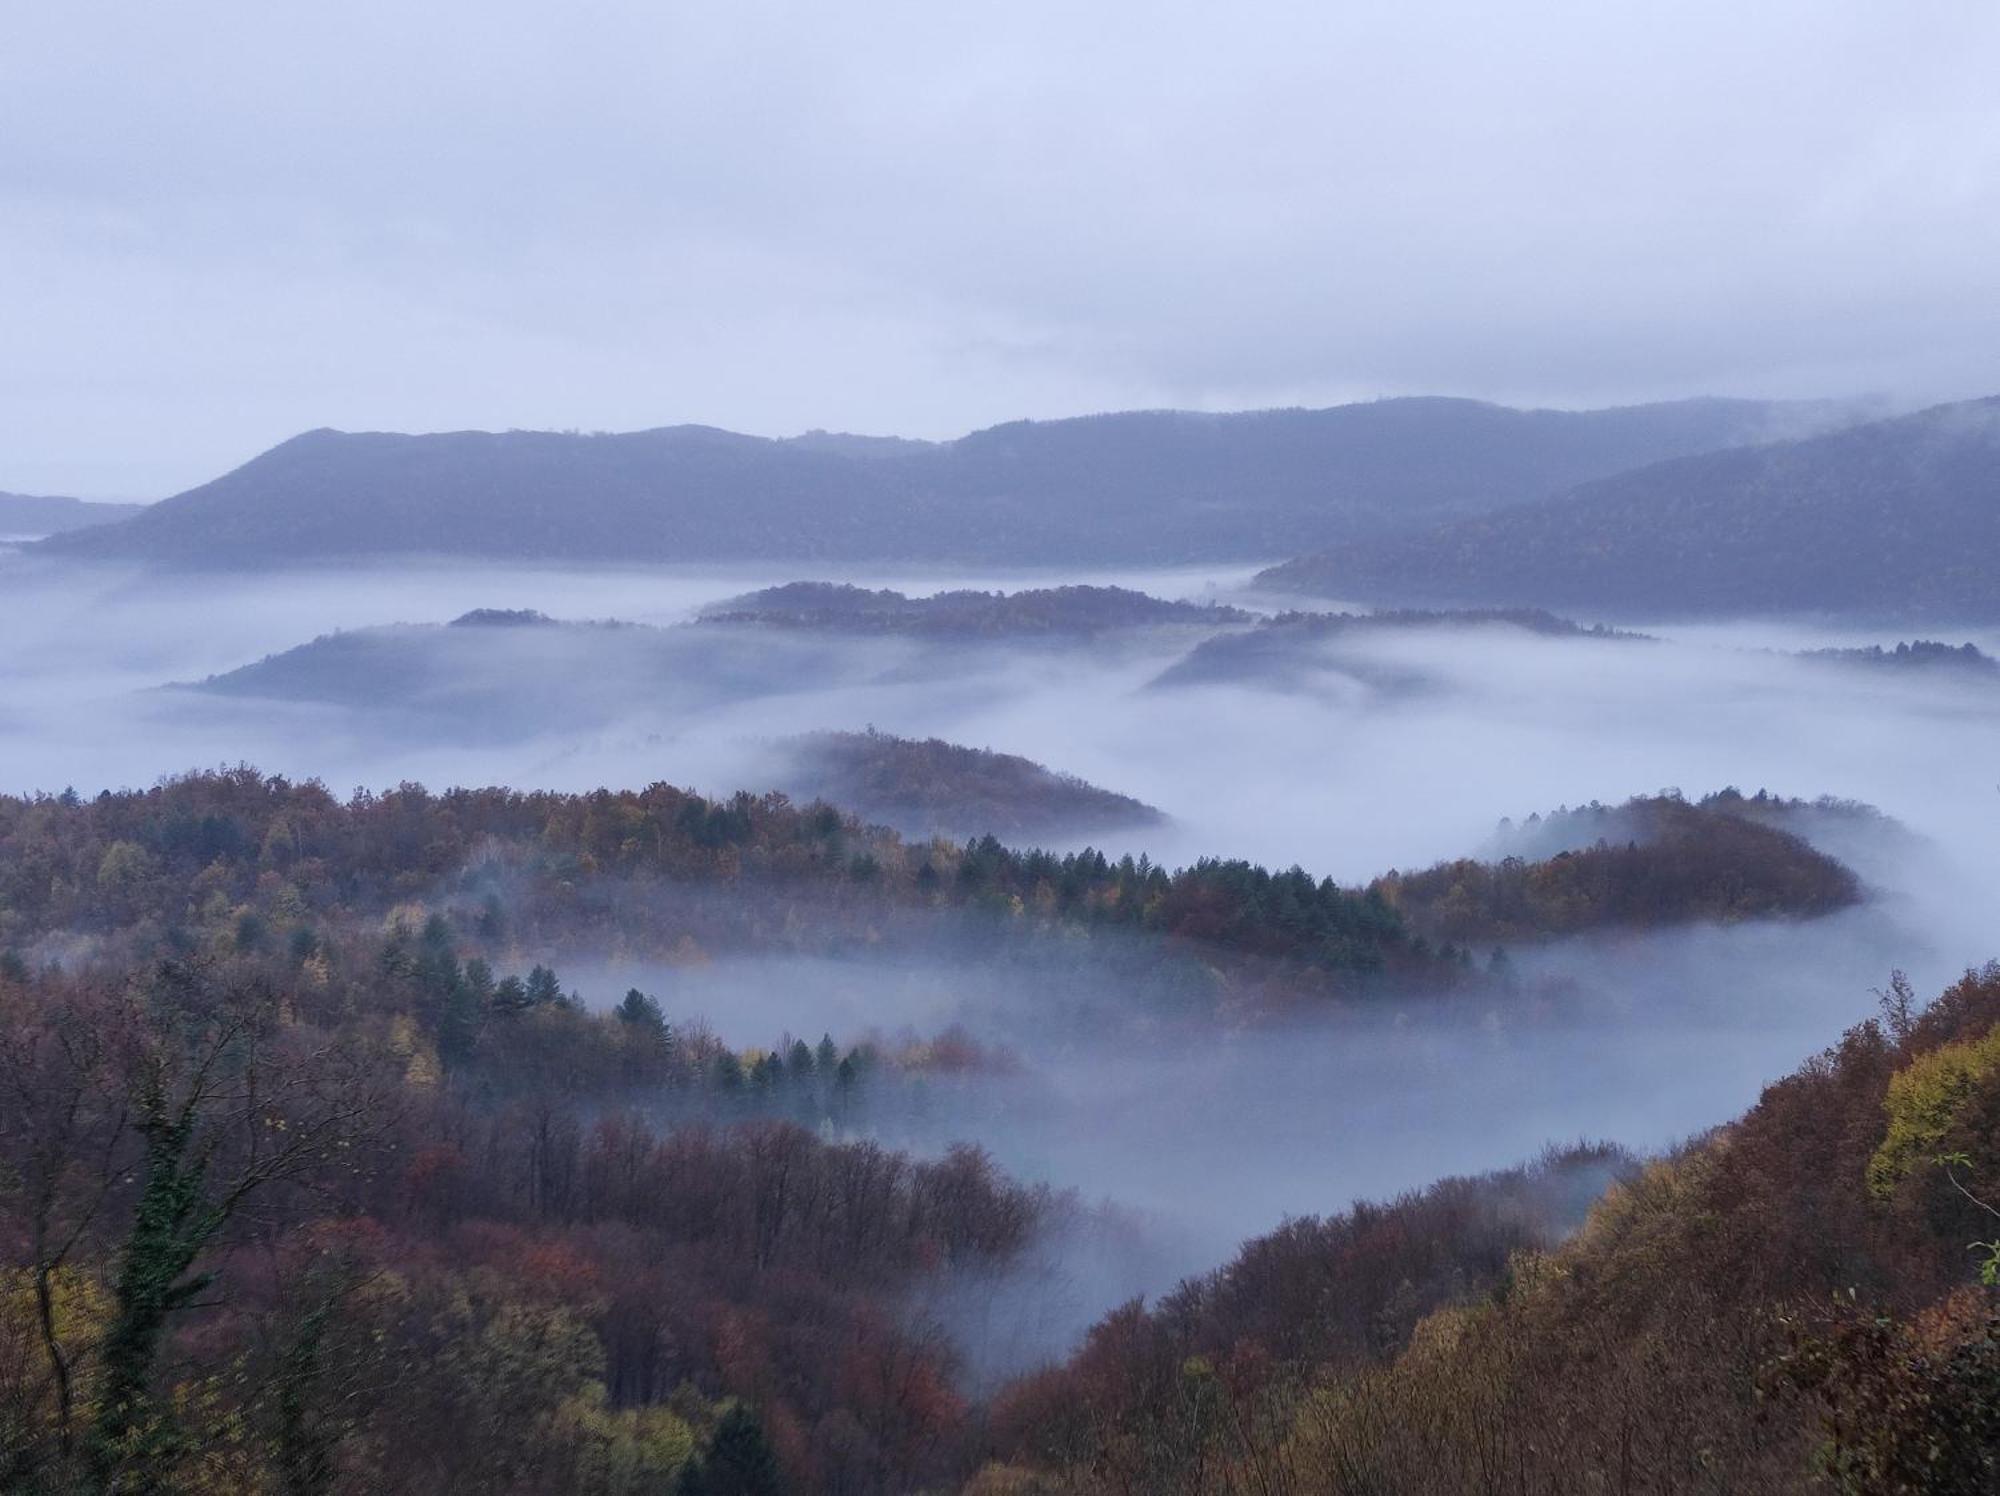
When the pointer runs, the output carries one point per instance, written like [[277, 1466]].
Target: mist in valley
[[1390, 749]]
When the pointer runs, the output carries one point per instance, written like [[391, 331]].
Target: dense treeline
[[250, 860], [1788, 1305], [1319, 1295], [631, 870], [264, 1228], [1671, 862], [1911, 654], [1080, 610]]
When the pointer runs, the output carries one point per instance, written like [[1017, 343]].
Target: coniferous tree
[[641, 1011], [738, 1461]]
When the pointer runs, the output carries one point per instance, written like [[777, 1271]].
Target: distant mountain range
[[1892, 519], [31, 514], [1145, 487]]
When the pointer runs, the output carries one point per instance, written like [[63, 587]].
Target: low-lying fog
[[1341, 773]]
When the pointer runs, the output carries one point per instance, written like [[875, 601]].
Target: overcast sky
[[223, 223]]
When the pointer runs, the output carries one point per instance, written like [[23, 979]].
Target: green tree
[[221, 1112], [737, 1462], [642, 1012]]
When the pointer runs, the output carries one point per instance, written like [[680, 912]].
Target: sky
[[224, 223]]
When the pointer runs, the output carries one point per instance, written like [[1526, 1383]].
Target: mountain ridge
[[47, 514], [1137, 486], [1897, 518]]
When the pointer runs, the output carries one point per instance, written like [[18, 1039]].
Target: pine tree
[[641, 1011], [543, 988], [738, 1461]]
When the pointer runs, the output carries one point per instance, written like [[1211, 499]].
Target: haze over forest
[[1038, 754]]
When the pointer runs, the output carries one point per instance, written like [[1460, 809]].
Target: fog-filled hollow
[[1393, 749]]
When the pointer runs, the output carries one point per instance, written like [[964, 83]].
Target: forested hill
[[1139, 486], [931, 787], [1036, 610], [1894, 519], [1787, 1306], [30, 514], [623, 870], [1287, 647]]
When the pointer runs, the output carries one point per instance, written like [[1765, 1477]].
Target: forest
[[314, 1183], [1788, 1304]]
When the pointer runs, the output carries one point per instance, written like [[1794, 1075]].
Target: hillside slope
[[931, 787], [34, 514], [1786, 1305], [1896, 518]]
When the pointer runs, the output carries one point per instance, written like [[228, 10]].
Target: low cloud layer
[[1379, 749]]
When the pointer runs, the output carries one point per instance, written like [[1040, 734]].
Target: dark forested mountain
[[28, 514], [1294, 648], [1142, 486], [836, 607], [937, 788], [1896, 518]]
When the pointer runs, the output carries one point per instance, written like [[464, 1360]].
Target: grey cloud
[[232, 222]]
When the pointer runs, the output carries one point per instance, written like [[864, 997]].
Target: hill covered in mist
[[1148, 486], [1893, 519], [836, 607], [32, 514], [937, 788], [1295, 649], [513, 672]]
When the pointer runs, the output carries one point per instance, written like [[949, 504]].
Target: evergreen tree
[[728, 1071], [511, 997], [641, 1011], [738, 1461]]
